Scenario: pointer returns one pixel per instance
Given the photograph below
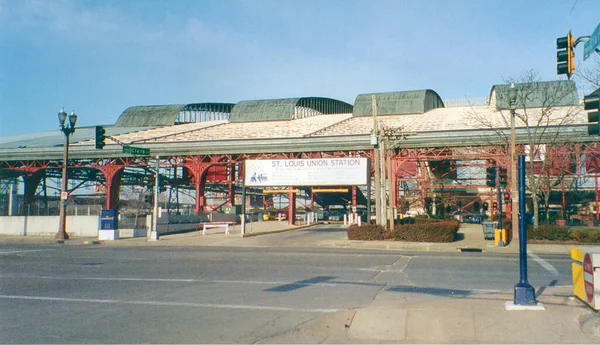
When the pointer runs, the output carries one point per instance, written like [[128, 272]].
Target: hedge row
[[366, 232], [561, 233], [443, 231], [439, 231]]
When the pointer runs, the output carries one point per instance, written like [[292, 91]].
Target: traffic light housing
[[592, 102], [503, 177], [495, 205], [485, 206], [565, 57], [491, 177], [100, 137]]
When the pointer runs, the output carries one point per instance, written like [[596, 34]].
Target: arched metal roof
[[286, 109], [559, 93], [217, 107], [398, 103], [165, 115]]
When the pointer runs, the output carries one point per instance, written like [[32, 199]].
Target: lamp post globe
[[62, 117], [68, 130], [512, 95]]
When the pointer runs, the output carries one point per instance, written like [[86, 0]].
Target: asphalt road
[[97, 294]]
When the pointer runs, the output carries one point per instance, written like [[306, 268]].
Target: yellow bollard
[[500, 238], [577, 270]]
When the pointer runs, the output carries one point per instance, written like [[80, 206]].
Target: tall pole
[[368, 191], [597, 198], [154, 231], [376, 162], [499, 198], [513, 174], [243, 220], [382, 204], [62, 213], [524, 292], [391, 192]]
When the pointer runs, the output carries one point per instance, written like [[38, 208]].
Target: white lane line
[[172, 304], [24, 251], [545, 264], [160, 280]]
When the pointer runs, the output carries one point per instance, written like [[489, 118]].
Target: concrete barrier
[[84, 226]]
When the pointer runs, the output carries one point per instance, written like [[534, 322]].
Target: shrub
[[365, 232], [549, 232], [423, 220], [443, 231], [586, 236]]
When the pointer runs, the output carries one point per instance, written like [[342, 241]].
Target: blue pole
[[524, 292]]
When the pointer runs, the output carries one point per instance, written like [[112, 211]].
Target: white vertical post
[[243, 231], [154, 231]]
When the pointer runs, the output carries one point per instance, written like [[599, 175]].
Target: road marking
[[24, 251], [216, 281], [545, 264], [172, 304]]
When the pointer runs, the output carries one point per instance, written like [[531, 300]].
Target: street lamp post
[[524, 292], [514, 195], [67, 129]]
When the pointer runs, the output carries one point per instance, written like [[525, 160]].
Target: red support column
[[198, 171], [292, 208], [31, 181], [112, 174], [231, 190], [200, 183]]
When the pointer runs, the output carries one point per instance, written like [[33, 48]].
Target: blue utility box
[[108, 220]]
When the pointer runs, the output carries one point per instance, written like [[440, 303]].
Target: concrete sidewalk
[[461, 320]]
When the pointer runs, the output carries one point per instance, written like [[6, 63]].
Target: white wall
[[84, 226]]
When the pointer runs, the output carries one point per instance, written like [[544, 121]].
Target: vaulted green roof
[[559, 93], [149, 115], [165, 115], [286, 109], [398, 103]]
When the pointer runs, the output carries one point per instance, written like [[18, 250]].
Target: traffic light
[[591, 102], [565, 57], [100, 137], [495, 205], [503, 177], [485, 206], [506, 196], [491, 176]]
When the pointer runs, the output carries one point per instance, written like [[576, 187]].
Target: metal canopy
[[286, 109], [150, 115], [560, 93], [398, 103]]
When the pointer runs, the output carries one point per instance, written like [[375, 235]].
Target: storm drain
[[476, 250]]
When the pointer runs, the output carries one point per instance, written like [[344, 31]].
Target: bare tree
[[542, 111], [134, 202]]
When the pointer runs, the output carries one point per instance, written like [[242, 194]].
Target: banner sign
[[306, 172]]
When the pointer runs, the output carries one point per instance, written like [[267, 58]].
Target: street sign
[[588, 277], [137, 151], [591, 44]]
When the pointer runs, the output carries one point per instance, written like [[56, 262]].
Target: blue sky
[[100, 57]]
